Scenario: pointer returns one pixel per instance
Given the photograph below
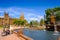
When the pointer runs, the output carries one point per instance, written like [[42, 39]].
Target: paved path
[[59, 38], [9, 37]]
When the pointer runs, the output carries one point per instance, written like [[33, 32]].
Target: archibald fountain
[[53, 20]]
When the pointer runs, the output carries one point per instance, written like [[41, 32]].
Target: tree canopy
[[49, 11], [20, 22], [41, 22], [34, 23], [55, 11]]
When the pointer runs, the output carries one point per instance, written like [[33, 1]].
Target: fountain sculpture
[[53, 20]]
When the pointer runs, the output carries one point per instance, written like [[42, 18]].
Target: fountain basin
[[41, 34]]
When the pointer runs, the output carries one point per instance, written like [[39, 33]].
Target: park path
[[9, 37]]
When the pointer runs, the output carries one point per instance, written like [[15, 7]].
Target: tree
[[34, 23], [41, 22], [56, 9], [23, 22], [31, 23], [52, 11], [48, 12], [20, 22], [17, 22], [58, 16]]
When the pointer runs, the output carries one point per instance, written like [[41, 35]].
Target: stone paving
[[10, 37], [14, 36]]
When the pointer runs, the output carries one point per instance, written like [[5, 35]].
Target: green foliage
[[41, 22], [17, 22], [20, 22], [58, 15], [23, 22], [34, 23], [31, 23], [49, 11], [56, 9]]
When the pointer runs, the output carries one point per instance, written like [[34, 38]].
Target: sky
[[32, 9]]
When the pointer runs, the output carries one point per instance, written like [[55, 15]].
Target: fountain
[[44, 27], [53, 20], [55, 29]]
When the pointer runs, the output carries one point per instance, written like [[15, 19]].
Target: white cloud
[[33, 18], [41, 17], [1, 16], [30, 14]]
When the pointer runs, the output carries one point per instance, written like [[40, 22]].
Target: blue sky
[[32, 9]]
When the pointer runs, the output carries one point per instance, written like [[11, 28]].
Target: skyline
[[32, 9]]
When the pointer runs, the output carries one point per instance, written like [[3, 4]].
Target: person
[[6, 31]]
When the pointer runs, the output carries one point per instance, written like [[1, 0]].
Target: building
[[22, 16], [6, 20]]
